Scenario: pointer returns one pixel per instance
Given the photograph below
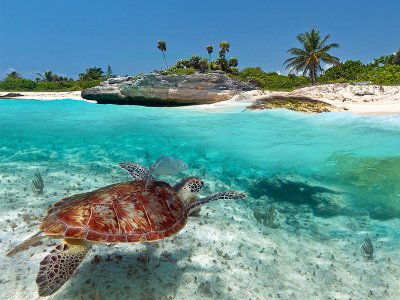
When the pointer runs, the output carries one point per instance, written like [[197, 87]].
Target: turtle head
[[188, 188]]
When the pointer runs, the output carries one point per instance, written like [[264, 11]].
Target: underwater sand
[[333, 179]]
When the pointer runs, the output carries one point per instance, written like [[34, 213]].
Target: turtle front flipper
[[57, 267], [138, 172], [227, 195], [26, 244]]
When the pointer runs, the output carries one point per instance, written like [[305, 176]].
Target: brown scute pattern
[[73, 232], [122, 212], [58, 266], [53, 227]]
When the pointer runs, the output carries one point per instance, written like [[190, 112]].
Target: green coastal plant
[[13, 75], [396, 59], [271, 80], [109, 73], [94, 73], [49, 76], [313, 51], [224, 48], [11, 83], [203, 65], [381, 71], [349, 70], [210, 50], [162, 45]]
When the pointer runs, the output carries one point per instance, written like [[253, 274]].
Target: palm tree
[[14, 75], [162, 45], [94, 73], [308, 58], [233, 62], [224, 45], [48, 76], [210, 50]]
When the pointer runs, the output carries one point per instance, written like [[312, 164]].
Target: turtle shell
[[121, 212]]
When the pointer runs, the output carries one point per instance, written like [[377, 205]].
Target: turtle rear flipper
[[137, 171], [26, 244], [227, 195], [57, 267]]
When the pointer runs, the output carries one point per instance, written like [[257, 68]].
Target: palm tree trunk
[[209, 58], [313, 77], [165, 59]]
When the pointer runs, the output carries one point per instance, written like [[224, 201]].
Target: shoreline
[[357, 99]]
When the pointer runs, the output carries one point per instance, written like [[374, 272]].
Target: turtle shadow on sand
[[148, 273]]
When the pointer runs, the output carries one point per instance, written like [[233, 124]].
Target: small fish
[[167, 165]]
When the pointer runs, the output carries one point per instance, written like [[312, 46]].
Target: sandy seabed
[[224, 253]]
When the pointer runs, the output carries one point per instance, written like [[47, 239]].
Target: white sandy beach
[[75, 95], [358, 99]]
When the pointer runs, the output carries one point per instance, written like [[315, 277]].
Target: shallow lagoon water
[[351, 160]]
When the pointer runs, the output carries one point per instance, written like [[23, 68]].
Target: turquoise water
[[334, 179], [358, 157]]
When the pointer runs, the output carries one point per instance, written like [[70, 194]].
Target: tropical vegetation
[[271, 80], [314, 50], [162, 46], [202, 64], [305, 66], [384, 70], [49, 76], [49, 81]]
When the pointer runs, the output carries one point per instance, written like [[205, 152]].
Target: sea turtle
[[125, 212]]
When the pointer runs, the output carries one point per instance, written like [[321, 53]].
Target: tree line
[[304, 66], [305, 61]]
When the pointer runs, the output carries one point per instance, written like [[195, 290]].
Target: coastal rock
[[295, 103], [167, 90], [11, 95]]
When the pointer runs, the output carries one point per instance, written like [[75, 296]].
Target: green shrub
[[350, 70], [271, 80], [381, 71], [386, 75], [186, 71], [81, 85], [203, 65], [54, 86], [17, 84]]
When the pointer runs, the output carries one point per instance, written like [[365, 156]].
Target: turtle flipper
[[138, 172], [227, 195], [26, 244], [58, 266]]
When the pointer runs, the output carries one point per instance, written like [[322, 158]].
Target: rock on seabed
[[167, 90]]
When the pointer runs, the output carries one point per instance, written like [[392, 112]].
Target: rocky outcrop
[[167, 90], [295, 103], [11, 95]]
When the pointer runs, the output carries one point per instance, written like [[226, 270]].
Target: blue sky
[[69, 36]]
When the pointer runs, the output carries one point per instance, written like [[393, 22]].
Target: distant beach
[[358, 99]]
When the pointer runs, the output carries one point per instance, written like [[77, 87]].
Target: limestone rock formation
[[167, 90]]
